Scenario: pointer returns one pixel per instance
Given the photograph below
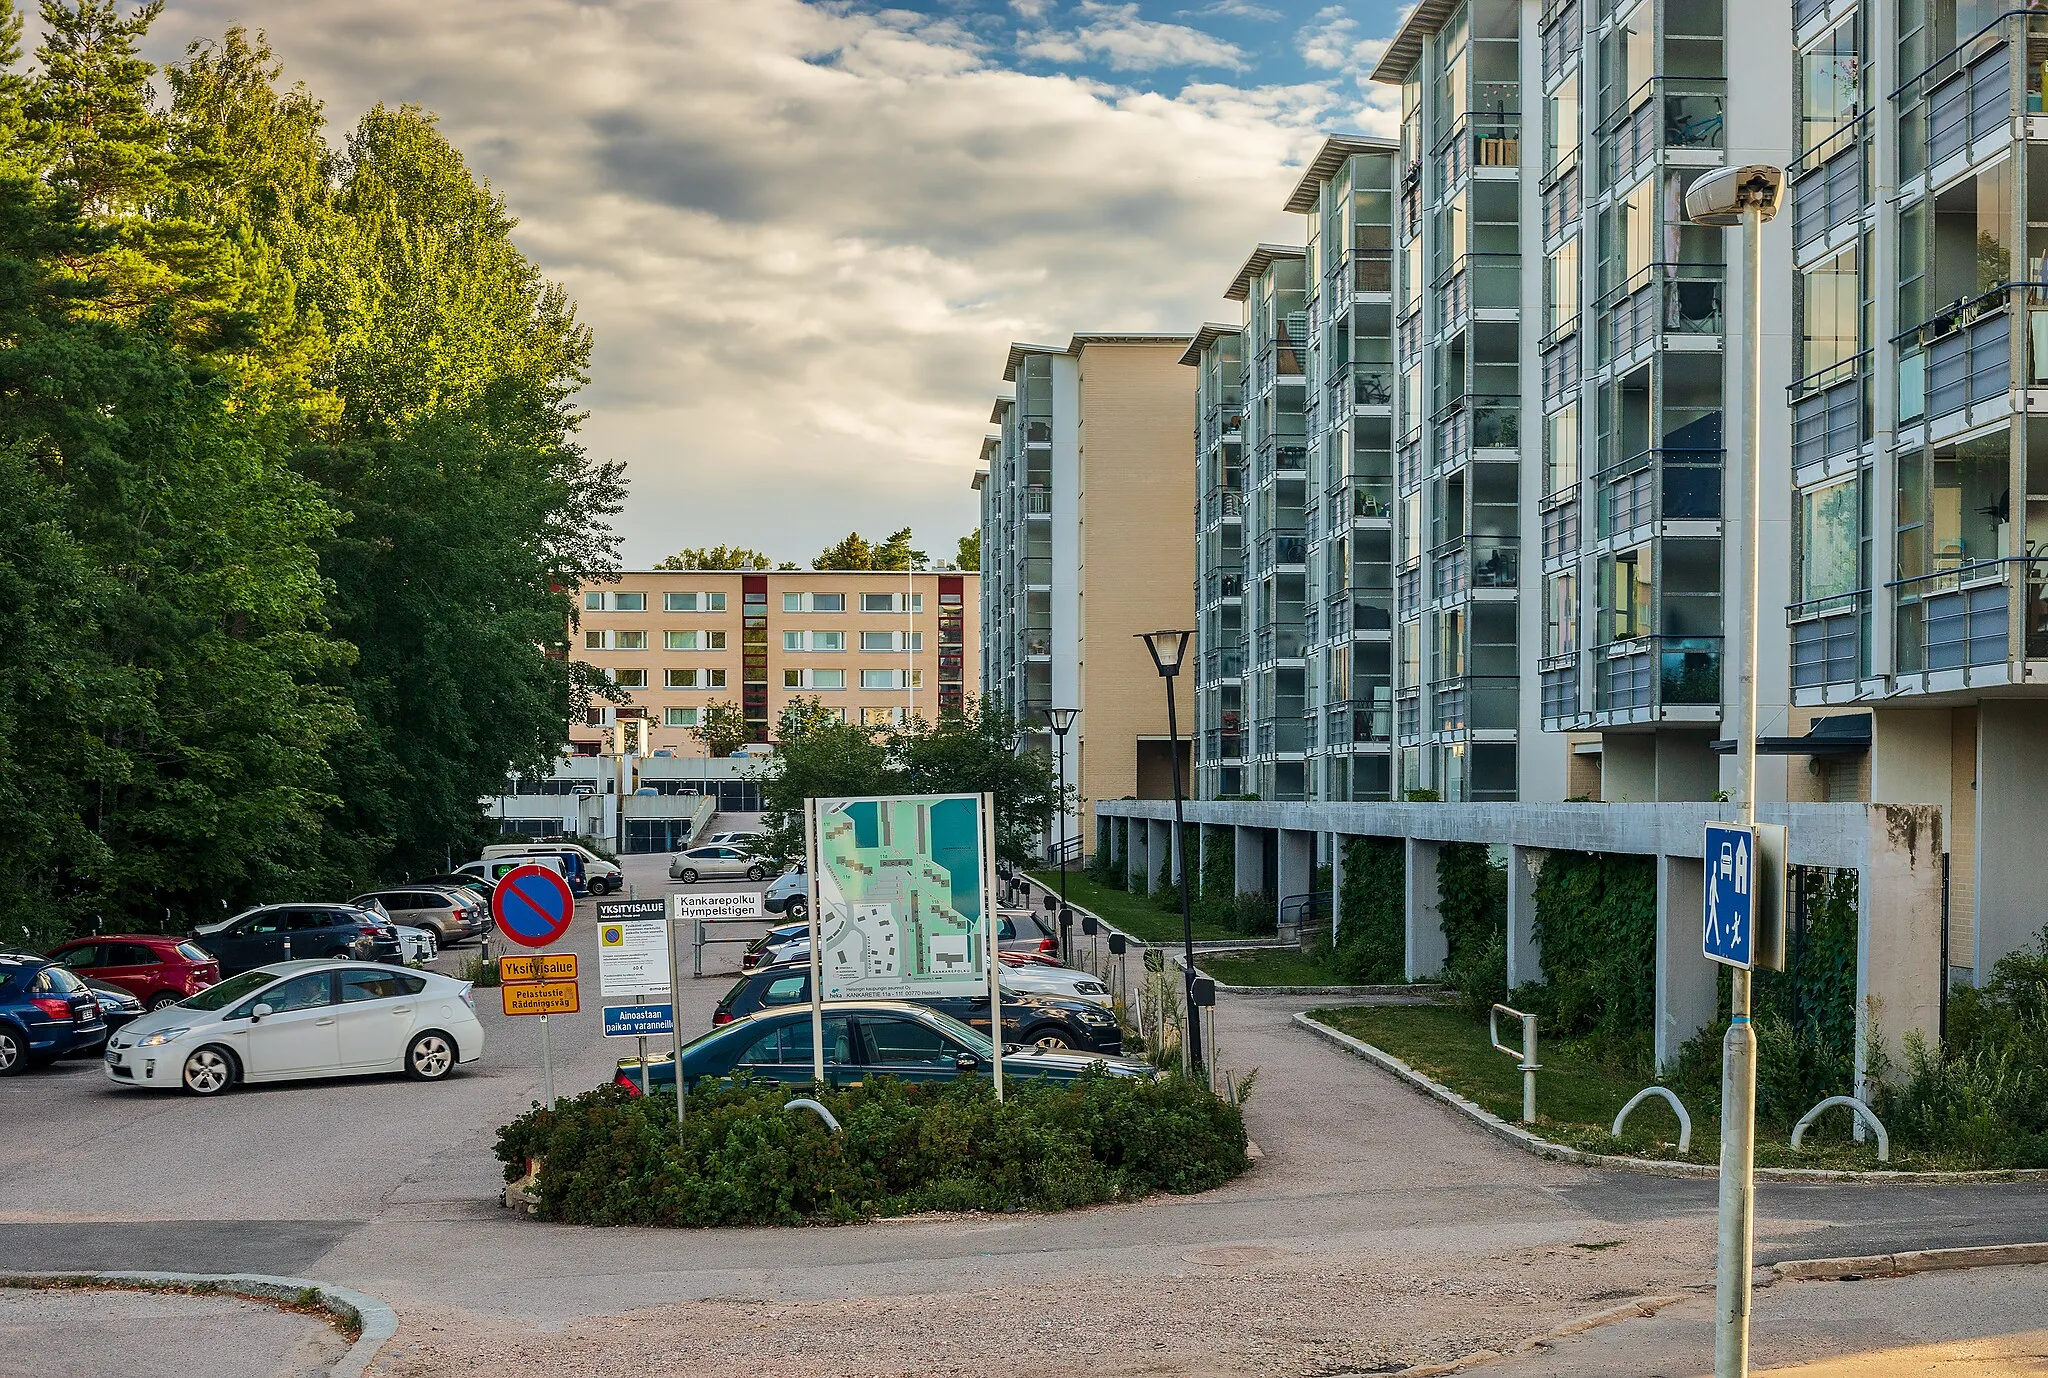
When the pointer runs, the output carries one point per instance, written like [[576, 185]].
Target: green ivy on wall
[[1472, 901], [1371, 942], [1596, 924]]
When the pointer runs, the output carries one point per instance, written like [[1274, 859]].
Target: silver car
[[452, 914], [718, 862]]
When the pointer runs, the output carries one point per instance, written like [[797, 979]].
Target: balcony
[[1280, 549], [1827, 183], [1222, 664], [1659, 672], [1563, 201], [1219, 744], [1037, 571], [1369, 385], [1561, 527], [1365, 610], [1474, 703], [1489, 139], [1560, 38], [1969, 97], [1275, 644], [1659, 485], [1831, 412], [1665, 114], [1219, 586], [1222, 505], [1964, 357], [1561, 365], [1359, 722], [1560, 691], [1480, 282], [1962, 617], [1037, 644], [1449, 575], [1827, 639], [1665, 299]]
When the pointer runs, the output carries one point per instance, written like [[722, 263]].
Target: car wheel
[[11, 1058], [797, 910], [757, 873], [209, 1071], [430, 1056], [163, 1000], [687, 876], [1051, 1039]]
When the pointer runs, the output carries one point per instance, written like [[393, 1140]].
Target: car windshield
[[976, 1041], [227, 992]]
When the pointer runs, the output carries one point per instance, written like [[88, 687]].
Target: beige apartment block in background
[[876, 647], [1086, 497]]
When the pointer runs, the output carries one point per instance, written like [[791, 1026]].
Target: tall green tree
[[716, 557], [722, 727], [856, 552], [969, 557]]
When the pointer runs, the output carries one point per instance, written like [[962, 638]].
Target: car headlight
[[1098, 1017], [160, 1037]]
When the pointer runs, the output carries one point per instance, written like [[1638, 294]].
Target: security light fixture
[[1723, 197]]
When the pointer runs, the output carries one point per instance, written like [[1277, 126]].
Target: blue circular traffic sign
[[532, 905]]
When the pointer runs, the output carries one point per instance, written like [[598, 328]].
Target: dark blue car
[[46, 1013]]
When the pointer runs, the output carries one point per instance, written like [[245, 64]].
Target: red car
[[156, 968]]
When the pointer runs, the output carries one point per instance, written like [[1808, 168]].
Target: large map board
[[900, 885]]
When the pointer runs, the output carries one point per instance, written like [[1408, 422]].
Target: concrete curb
[[376, 1321], [1910, 1261], [1543, 1148], [1641, 1308]]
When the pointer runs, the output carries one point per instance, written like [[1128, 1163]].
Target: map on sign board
[[899, 886]]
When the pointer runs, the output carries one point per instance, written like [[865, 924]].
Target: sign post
[[533, 906]]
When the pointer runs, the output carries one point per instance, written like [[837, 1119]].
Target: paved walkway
[[53, 1333]]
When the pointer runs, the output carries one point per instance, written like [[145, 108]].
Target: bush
[[608, 1158], [1596, 924], [1104, 868], [1472, 902], [1371, 942]]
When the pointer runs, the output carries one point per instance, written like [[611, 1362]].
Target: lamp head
[[1168, 648], [1723, 197], [1061, 720]]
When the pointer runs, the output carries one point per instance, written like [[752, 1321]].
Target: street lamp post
[[1168, 650], [1745, 196], [1061, 721]]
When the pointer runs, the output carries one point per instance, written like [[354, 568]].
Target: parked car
[[1036, 978], [769, 948], [863, 1039], [481, 886], [749, 839], [282, 932], [496, 868], [601, 876], [46, 1012], [157, 969], [419, 945], [454, 915], [1043, 1021], [117, 1006], [790, 893], [1025, 930], [290, 1020], [693, 864]]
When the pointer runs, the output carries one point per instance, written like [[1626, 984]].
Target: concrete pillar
[[1158, 847], [1898, 933], [1687, 983], [1427, 947], [1137, 832], [1525, 959], [2011, 809], [1251, 860], [1337, 841], [1297, 865]]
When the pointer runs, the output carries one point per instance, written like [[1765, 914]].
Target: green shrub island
[[1370, 944], [609, 1158]]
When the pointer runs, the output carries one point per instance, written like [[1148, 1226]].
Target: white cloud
[[1239, 9], [803, 236], [1331, 41], [1118, 36]]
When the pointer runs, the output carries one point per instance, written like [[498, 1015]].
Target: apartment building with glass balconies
[[1085, 488], [1217, 356], [1346, 198]]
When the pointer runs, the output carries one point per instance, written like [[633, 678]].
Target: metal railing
[[1562, 199], [1831, 411], [1278, 643], [1651, 670], [1973, 101], [1561, 529], [1659, 485], [1665, 299], [1962, 617], [1827, 183], [1826, 637], [1483, 138], [1664, 113], [1527, 1053], [1560, 686]]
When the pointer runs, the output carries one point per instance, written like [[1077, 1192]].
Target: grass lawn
[[1276, 966], [1577, 1096], [1136, 915]]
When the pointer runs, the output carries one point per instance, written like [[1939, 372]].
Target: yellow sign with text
[[539, 997], [541, 966]]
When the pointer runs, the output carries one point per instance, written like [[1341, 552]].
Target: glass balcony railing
[[1665, 299], [1037, 501], [1278, 643], [1488, 139], [1659, 485], [1037, 643], [1831, 412], [1664, 113], [1474, 703], [1828, 182], [1659, 670], [1968, 354], [1828, 640], [1225, 663]]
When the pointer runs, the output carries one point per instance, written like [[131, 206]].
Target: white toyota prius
[[290, 1020]]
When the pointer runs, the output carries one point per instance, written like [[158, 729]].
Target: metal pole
[[643, 1061], [547, 1065], [675, 1008], [1738, 1049], [1066, 914], [1179, 852], [1529, 1069], [988, 930]]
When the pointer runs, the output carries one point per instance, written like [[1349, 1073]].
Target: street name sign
[[638, 1021], [533, 906], [539, 997], [716, 906]]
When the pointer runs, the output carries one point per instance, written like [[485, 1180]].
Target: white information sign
[[632, 959], [714, 905]]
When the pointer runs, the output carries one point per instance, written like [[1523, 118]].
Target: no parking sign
[[533, 906]]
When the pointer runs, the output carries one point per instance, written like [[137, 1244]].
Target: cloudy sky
[[805, 231]]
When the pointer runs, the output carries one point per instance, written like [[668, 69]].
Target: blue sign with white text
[[637, 1021], [1729, 934]]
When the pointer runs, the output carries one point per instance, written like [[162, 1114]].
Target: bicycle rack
[[1527, 1053], [1684, 1120], [806, 1103], [1859, 1110]]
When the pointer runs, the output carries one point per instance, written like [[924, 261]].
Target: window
[[878, 602], [784, 990], [1561, 449], [714, 602], [379, 985], [792, 602], [828, 641], [679, 679], [828, 679], [679, 641], [909, 1043], [880, 717], [82, 958], [309, 992], [1628, 594], [890, 641], [828, 602], [629, 602], [595, 641], [1830, 541], [792, 641], [679, 602], [593, 602], [1830, 312], [792, 679], [790, 1045], [632, 641], [1562, 284], [1828, 73], [679, 717], [714, 679], [878, 679], [630, 679], [1561, 615], [714, 641]]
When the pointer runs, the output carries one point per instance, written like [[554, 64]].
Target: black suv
[[288, 932], [1044, 1021]]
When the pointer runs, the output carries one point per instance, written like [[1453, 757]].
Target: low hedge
[[607, 1158]]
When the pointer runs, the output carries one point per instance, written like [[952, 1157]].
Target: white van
[[603, 877], [498, 867]]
